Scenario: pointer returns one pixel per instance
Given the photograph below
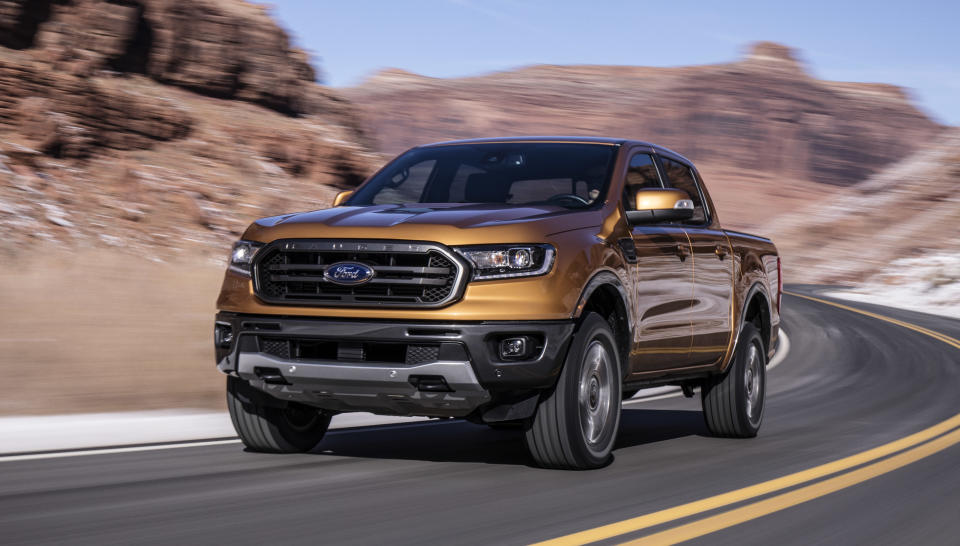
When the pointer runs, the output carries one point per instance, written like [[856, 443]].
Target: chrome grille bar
[[406, 274]]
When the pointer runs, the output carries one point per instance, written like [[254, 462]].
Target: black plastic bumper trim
[[479, 339]]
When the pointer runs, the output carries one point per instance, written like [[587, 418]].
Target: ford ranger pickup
[[532, 283]]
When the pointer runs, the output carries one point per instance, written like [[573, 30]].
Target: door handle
[[682, 251], [720, 251]]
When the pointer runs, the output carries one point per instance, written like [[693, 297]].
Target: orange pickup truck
[[528, 282]]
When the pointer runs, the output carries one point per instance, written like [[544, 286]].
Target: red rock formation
[[226, 49], [911, 208], [762, 113], [201, 109]]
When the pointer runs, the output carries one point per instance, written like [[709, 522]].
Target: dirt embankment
[[104, 330]]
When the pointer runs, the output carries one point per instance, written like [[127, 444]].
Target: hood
[[445, 223]]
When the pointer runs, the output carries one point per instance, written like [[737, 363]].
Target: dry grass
[[104, 331]]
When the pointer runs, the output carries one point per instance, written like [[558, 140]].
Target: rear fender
[[758, 286]]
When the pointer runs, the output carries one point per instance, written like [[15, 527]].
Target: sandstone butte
[[825, 168], [764, 112]]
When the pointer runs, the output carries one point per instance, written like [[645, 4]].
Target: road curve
[[849, 383]]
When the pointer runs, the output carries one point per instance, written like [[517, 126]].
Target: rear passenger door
[[712, 307], [662, 278]]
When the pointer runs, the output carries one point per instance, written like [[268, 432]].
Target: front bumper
[[353, 365]]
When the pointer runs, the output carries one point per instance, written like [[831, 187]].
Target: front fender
[[602, 278]]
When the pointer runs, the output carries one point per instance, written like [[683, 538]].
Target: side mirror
[[660, 205], [341, 197]]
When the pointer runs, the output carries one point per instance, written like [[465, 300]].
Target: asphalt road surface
[[849, 383]]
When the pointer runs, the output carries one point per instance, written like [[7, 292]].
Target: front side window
[[641, 173], [568, 175], [681, 177]]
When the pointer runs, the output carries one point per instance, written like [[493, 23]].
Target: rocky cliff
[[764, 112], [160, 122], [222, 48], [909, 210]]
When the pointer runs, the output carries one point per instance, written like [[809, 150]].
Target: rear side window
[[681, 177], [641, 173]]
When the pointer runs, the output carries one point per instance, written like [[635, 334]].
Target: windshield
[[569, 175]]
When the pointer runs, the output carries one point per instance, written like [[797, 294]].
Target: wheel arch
[[757, 310], [606, 295]]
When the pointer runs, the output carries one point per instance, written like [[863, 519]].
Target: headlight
[[503, 261], [242, 256]]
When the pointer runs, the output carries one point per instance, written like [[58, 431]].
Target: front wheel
[[576, 426], [273, 428], [733, 403]]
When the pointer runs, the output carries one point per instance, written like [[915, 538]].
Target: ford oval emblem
[[348, 273]]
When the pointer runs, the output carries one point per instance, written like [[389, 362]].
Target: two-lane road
[[849, 383]]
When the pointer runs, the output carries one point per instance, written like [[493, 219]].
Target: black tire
[[562, 434], [733, 403], [273, 428]]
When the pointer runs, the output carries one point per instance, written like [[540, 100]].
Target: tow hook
[[271, 376], [430, 383]]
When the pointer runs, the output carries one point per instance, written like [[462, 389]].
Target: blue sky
[[914, 45]]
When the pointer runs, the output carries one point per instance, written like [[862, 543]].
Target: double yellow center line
[[909, 449]]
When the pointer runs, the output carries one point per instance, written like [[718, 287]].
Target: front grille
[[404, 274], [364, 351]]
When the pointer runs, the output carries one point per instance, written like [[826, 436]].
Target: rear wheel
[[273, 428], [576, 425], [733, 403]]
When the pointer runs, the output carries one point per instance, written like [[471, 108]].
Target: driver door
[[663, 281]]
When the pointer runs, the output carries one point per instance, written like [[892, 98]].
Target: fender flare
[[756, 287], [601, 278], [609, 278]]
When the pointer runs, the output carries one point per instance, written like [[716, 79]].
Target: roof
[[557, 138], [545, 138]]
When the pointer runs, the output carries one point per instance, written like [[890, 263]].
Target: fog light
[[223, 335], [514, 348]]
